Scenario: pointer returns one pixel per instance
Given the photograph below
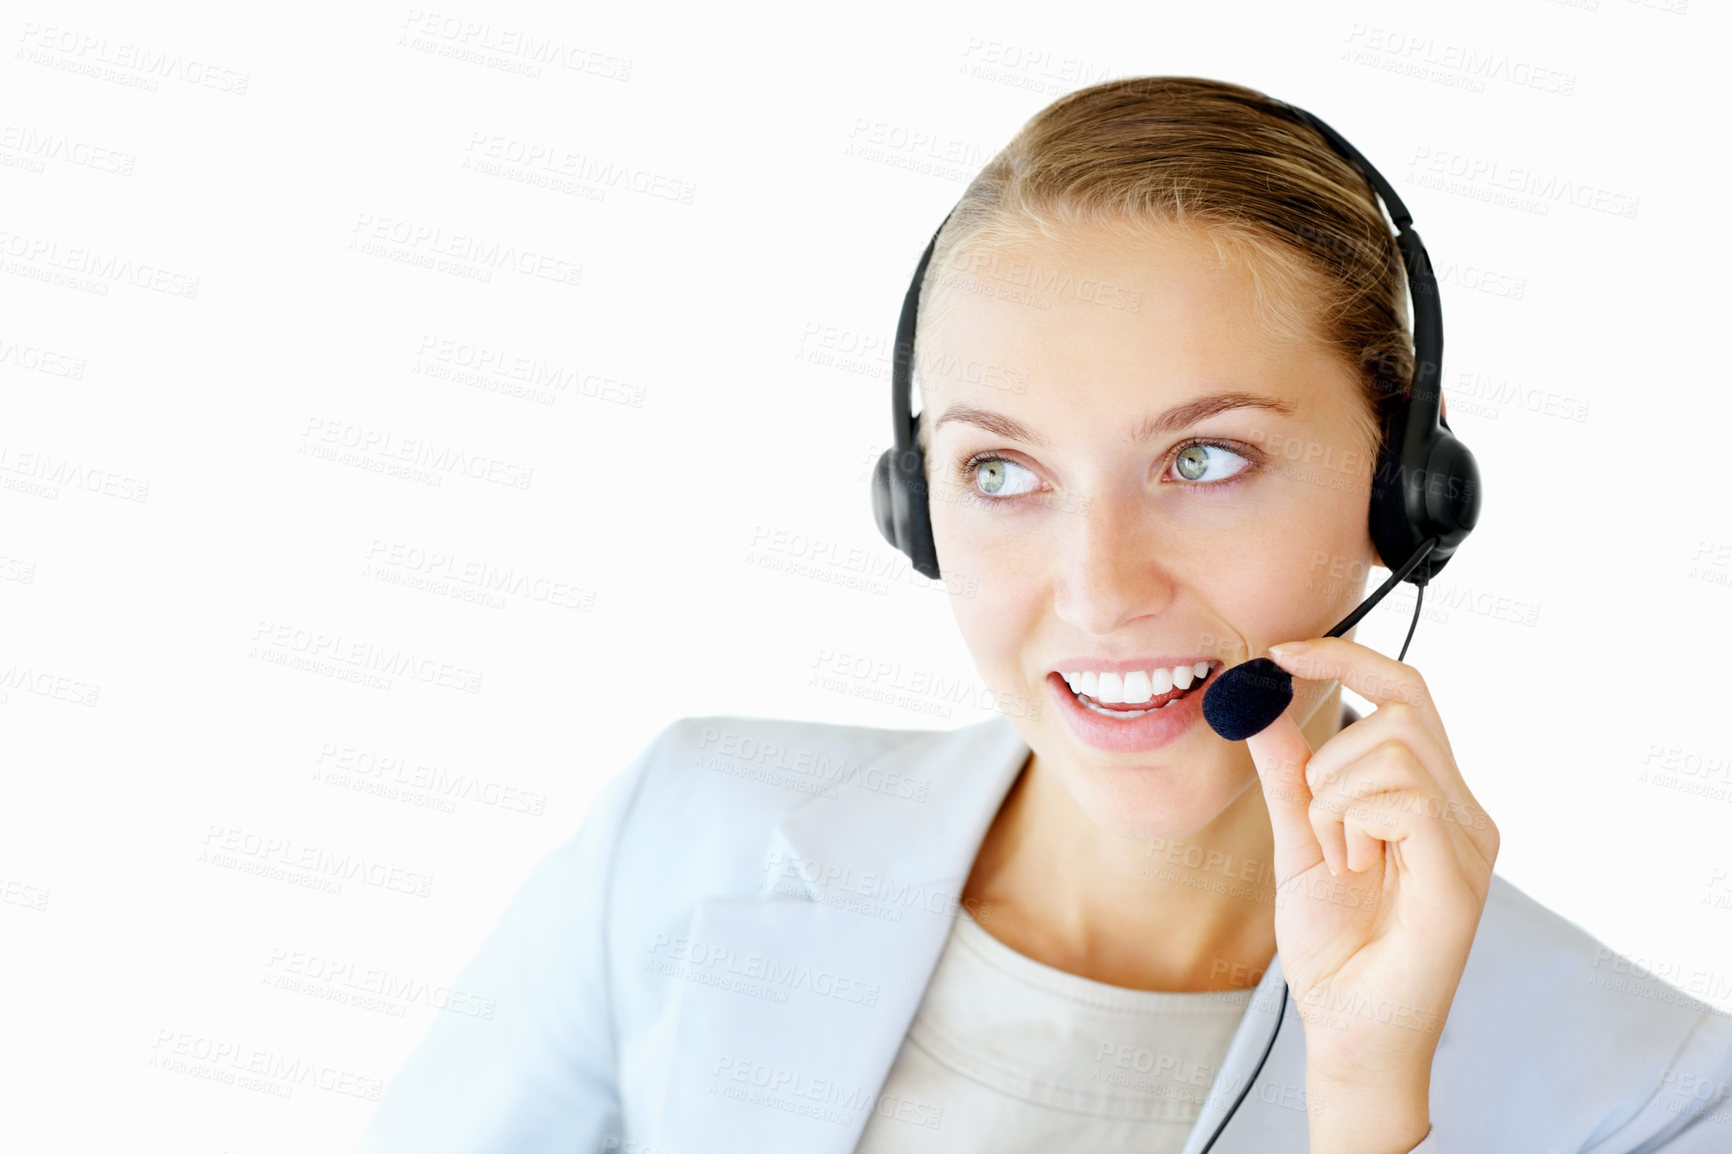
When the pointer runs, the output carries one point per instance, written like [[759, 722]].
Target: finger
[[1388, 797], [1427, 856], [1363, 794], [1344, 802], [1398, 721], [1365, 671], [1364, 852], [1280, 753], [1330, 830], [1391, 721]]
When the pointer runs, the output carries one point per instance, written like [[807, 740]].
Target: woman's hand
[[1372, 955]]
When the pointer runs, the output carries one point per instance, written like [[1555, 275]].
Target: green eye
[[992, 474], [1192, 462]]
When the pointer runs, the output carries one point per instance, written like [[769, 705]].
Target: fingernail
[[1288, 648]]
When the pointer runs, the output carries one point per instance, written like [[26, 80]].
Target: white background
[[173, 542]]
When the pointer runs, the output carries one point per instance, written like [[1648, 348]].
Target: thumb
[[1281, 752]]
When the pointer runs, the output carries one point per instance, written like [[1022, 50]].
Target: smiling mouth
[[1089, 690]]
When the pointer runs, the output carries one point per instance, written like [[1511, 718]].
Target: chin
[[1146, 803]]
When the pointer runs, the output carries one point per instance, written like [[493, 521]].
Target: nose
[[1109, 567]]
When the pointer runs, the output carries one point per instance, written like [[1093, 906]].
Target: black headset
[[1426, 483]]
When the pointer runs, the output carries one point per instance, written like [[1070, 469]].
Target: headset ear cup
[[1448, 488], [900, 508], [916, 510], [1390, 531], [883, 502], [1452, 491]]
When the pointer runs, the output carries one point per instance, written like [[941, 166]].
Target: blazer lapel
[[828, 967], [833, 960]]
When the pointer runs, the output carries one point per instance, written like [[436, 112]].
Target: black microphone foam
[[1244, 699]]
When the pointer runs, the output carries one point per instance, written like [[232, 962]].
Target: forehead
[[1109, 321], [1099, 301], [1168, 309]]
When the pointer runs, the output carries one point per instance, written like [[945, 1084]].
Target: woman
[[1159, 342]]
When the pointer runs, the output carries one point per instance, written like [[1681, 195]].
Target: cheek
[[994, 606], [988, 550], [998, 601], [1293, 570]]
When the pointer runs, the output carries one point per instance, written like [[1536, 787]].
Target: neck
[[1131, 912]]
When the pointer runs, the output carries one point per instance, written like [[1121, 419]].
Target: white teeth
[[1133, 688], [1095, 684]]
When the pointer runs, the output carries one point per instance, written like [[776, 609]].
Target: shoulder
[[708, 791], [1529, 954], [1548, 1011], [696, 819], [760, 765]]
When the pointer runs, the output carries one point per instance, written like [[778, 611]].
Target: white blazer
[[727, 954]]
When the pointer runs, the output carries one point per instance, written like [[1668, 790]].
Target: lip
[[1149, 732]]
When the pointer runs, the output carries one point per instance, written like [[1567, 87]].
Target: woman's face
[[1217, 534]]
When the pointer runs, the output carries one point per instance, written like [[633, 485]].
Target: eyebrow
[[1179, 417]]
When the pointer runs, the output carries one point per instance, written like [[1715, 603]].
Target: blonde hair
[[1139, 155]]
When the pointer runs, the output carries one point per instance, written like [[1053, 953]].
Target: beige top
[[1008, 1055]]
